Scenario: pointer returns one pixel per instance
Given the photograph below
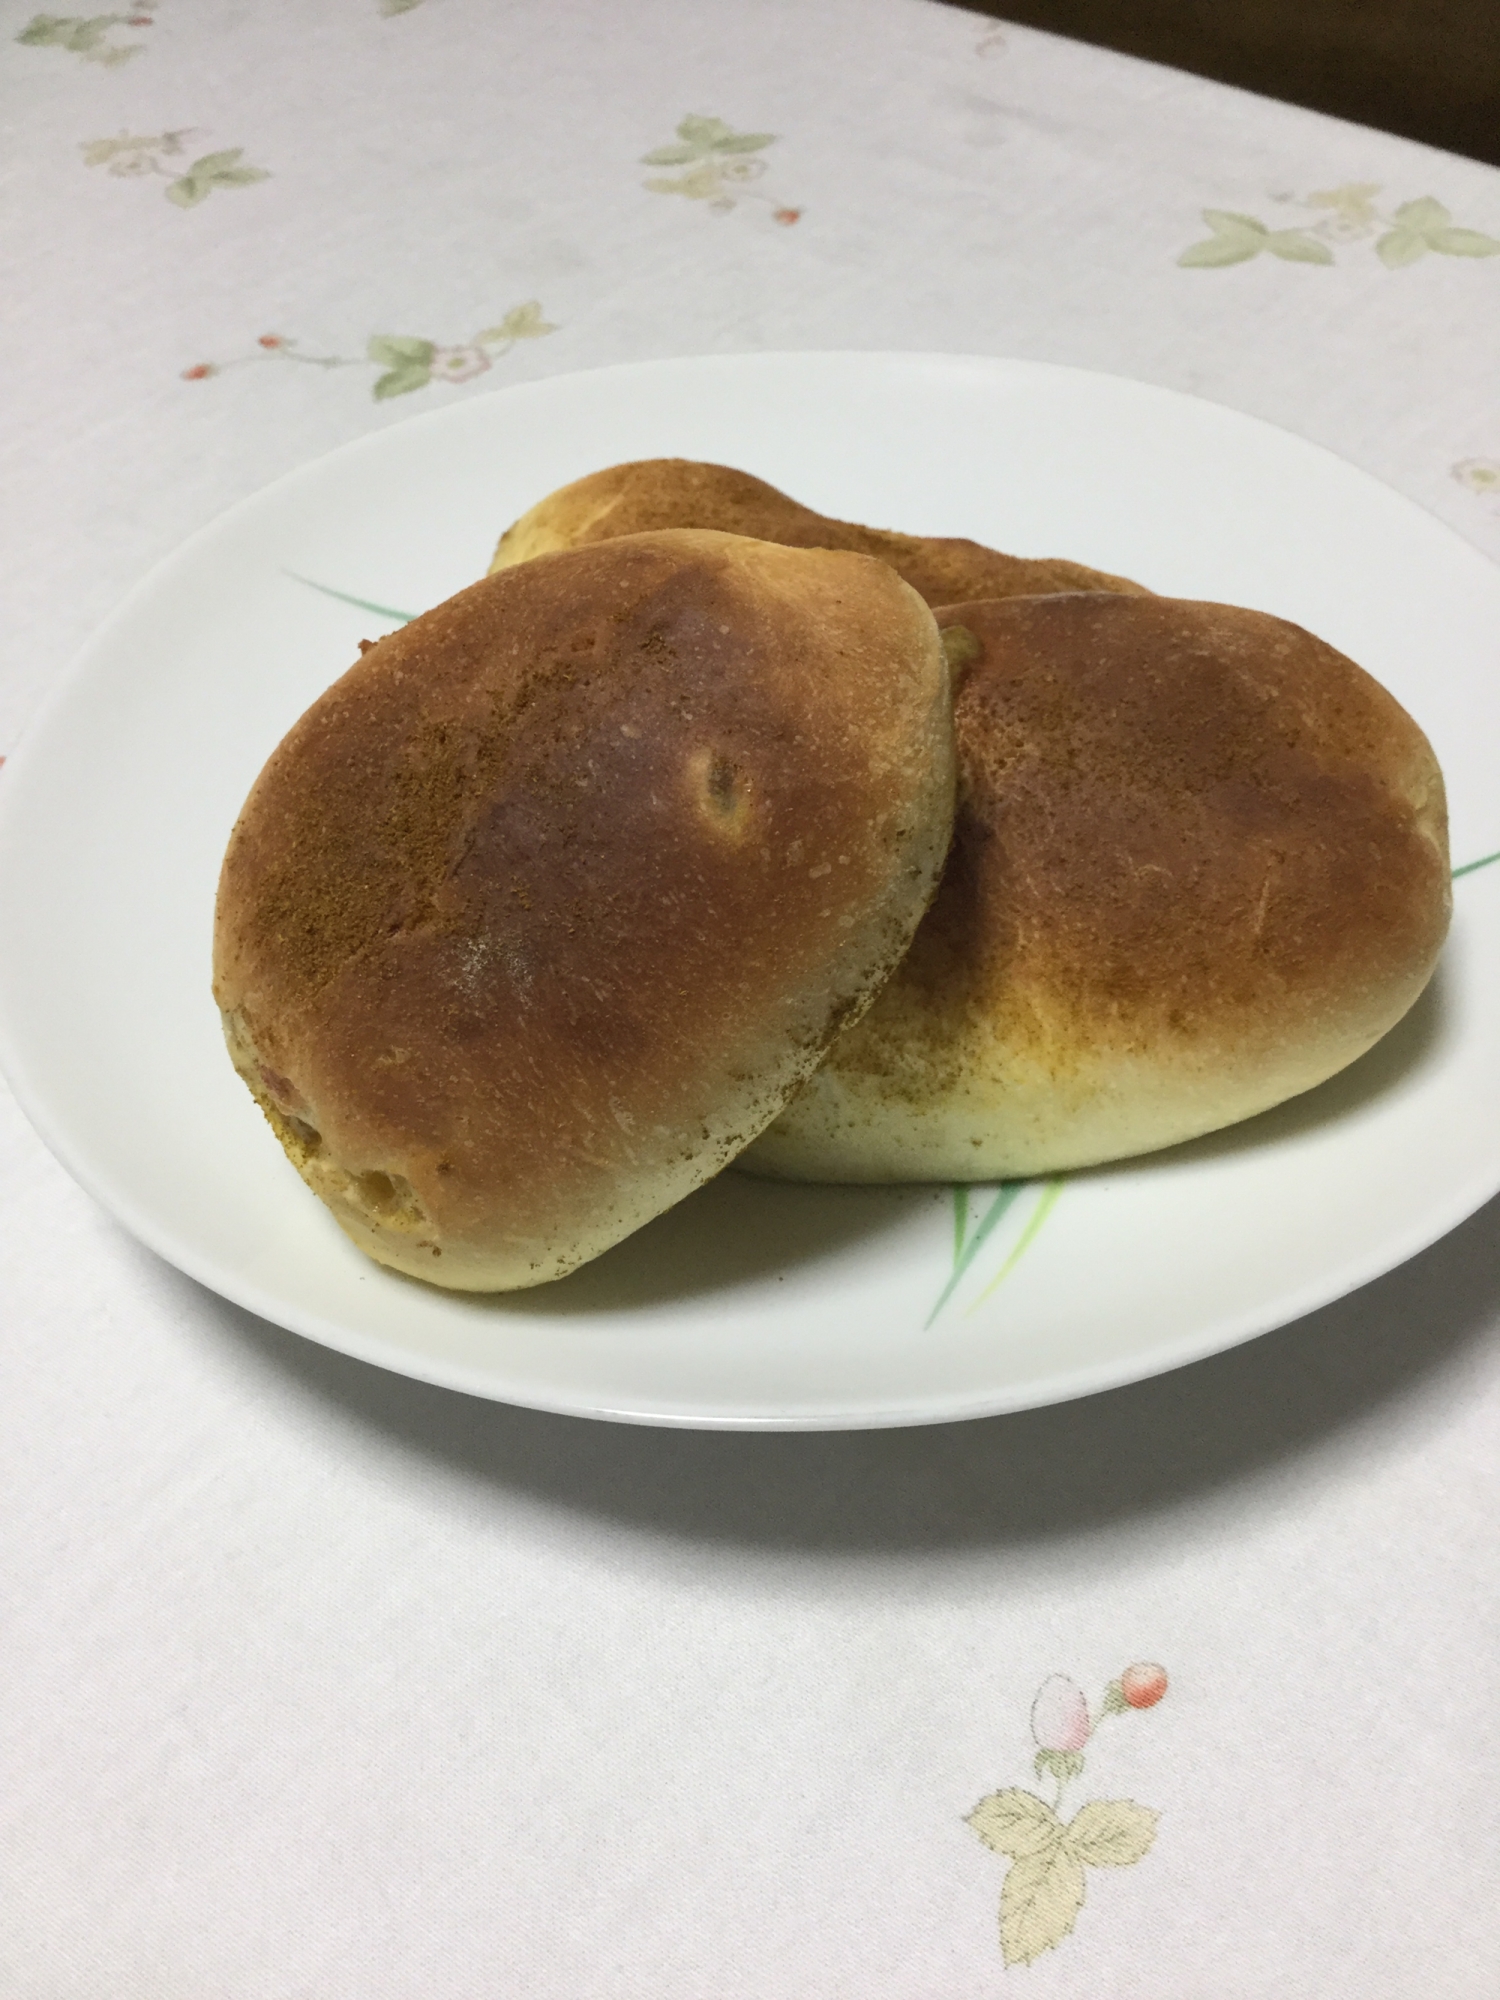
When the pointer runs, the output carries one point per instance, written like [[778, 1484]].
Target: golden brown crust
[[1200, 863], [683, 493], [543, 909]]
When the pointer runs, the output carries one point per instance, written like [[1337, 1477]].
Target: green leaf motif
[[1228, 222], [1400, 247], [698, 184], [400, 350], [214, 170], [1425, 224], [1423, 214], [1215, 251], [520, 323], [1016, 1823], [212, 165], [74, 32], [1235, 239], [1464, 243], [1040, 1901], [1111, 1833], [401, 382], [1064, 1765], [1297, 247], [701, 139], [389, 7], [967, 1247], [703, 133], [1114, 1702]]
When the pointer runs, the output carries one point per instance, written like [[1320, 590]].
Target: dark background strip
[[1428, 69]]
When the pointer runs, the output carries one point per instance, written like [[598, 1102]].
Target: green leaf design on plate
[[1024, 1241], [965, 1253], [1471, 867], [360, 603]]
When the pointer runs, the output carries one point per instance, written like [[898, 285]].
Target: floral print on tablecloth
[[1482, 477], [719, 166], [131, 156], [1343, 215], [407, 362], [1045, 1885], [92, 37]]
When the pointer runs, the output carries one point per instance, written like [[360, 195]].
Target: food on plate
[[544, 909], [657, 493], [1200, 864]]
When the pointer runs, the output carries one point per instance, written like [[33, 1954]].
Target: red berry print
[[200, 373], [788, 216], [272, 340], [1144, 1684]]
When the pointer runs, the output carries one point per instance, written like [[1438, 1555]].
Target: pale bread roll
[[655, 493], [543, 909], [1200, 863]]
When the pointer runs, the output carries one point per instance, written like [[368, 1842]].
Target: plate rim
[[1350, 1275]]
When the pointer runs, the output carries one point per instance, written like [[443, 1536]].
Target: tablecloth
[[320, 1684]]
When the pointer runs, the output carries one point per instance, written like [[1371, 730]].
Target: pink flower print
[[787, 216], [1144, 1684], [1060, 1715], [458, 364]]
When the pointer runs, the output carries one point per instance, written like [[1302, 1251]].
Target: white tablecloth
[[322, 1685]]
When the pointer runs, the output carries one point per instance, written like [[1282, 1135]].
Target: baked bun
[[1200, 863], [543, 909], [680, 493]]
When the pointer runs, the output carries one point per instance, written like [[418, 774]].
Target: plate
[[751, 1305]]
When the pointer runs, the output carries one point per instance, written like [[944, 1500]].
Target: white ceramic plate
[[751, 1305]]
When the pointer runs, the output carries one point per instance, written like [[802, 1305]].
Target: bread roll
[[1200, 863], [681, 493], [544, 908]]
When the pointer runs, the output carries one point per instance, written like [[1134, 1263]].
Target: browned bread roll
[[1200, 863], [545, 907], [680, 493]]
